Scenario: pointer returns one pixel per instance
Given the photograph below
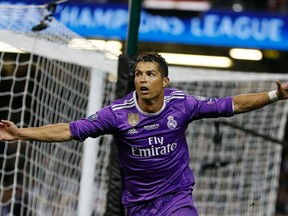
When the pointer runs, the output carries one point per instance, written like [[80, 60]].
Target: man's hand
[[8, 131], [282, 90]]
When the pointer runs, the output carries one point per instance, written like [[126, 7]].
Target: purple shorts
[[176, 204]]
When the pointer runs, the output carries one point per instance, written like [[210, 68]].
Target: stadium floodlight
[[198, 60], [237, 5], [194, 5], [246, 54]]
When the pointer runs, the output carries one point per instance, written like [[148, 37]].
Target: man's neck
[[151, 106]]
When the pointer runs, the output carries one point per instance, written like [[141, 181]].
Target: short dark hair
[[154, 57]]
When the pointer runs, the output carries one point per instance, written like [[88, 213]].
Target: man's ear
[[165, 81]]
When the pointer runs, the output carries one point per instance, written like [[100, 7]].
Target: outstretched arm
[[248, 102], [50, 133]]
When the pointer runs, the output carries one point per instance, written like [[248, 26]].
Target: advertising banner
[[212, 28]]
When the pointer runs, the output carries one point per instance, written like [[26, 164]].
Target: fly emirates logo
[[157, 146]]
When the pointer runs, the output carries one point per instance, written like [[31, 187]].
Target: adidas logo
[[132, 131]]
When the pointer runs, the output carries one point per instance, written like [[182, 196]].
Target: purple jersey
[[152, 148]]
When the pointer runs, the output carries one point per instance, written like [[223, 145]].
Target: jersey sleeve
[[205, 107], [99, 123]]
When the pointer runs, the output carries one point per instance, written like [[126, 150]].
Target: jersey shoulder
[[123, 103], [174, 94]]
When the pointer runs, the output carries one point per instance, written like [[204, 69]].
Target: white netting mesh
[[238, 173], [56, 41], [48, 83]]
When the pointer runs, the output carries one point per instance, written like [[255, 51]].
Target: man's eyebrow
[[152, 70]]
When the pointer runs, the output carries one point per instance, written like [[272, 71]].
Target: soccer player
[[149, 128]]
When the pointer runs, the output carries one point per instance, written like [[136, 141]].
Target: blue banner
[[217, 28], [213, 28]]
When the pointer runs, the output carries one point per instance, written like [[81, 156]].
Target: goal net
[[50, 76], [236, 160]]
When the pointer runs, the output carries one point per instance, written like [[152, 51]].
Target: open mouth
[[144, 89]]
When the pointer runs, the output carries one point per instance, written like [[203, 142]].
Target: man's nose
[[143, 78]]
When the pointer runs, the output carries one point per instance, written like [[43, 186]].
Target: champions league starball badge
[[93, 117], [172, 124]]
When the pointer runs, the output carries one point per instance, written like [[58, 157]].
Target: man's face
[[149, 83]]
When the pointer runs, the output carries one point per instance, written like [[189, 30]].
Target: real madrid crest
[[133, 119], [171, 123]]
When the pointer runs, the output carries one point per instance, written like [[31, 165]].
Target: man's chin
[[145, 97], [142, 93]]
